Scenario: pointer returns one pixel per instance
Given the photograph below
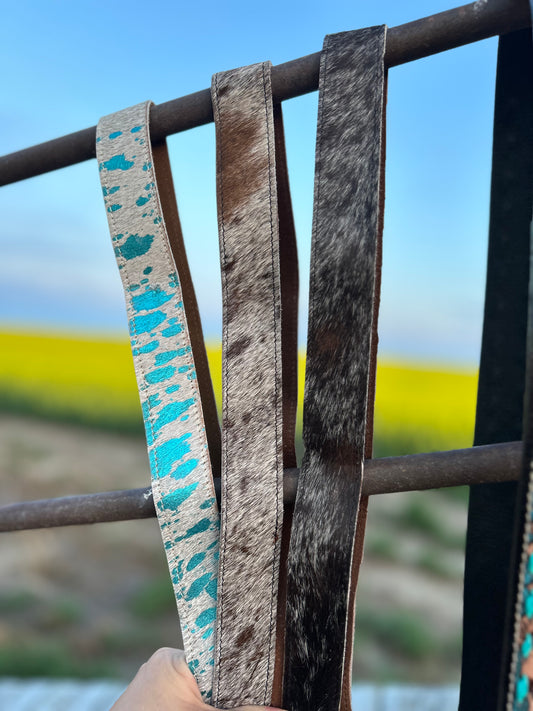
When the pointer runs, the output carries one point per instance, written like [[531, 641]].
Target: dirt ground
[[96, 600]]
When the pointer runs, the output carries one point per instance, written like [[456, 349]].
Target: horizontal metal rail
[[405, 43], [476, 465]]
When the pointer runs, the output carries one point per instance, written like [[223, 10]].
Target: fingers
[[169, 671], [173, 657]]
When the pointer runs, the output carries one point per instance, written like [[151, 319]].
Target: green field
[[91, 382]]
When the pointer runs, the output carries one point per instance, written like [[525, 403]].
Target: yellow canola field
[[420, 408], [86, 381], [91, 381]]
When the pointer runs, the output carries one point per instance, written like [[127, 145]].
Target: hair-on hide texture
[[252, 439], [346, 227]]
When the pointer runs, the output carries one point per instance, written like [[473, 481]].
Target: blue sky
[[67, 64]]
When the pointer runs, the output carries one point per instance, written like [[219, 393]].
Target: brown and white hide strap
[[255, 439], [345, 258]]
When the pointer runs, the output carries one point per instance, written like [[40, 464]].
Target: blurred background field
[[91, 382], [96, 601]]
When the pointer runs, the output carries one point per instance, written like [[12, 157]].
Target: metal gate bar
[[414, 472], [405, 43]]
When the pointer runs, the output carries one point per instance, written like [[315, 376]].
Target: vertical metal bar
[[502, 374]]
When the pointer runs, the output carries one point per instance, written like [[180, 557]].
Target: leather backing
[[346, 233], [167, 349], [357, 559]]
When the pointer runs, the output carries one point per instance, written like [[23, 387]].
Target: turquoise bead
[[526, 646], [522, 688]]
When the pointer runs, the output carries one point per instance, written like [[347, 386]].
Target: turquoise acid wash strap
[[253, 199], [343, 307], [167, 353]]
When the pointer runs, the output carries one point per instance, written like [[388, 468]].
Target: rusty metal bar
[[405, 43], [491, 463]]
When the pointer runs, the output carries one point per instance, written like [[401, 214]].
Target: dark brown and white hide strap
[[253, 444], [346, 234]]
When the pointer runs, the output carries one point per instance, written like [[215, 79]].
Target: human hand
[[165, 683]]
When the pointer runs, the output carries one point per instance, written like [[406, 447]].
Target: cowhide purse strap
[[170, 361], [258, 430], [342, 311], [517, 684], [487, 615]]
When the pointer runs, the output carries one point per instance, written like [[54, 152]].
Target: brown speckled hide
[[346, 229], [252, 440]]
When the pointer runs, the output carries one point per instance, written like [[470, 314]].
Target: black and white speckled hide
[[345, 234], [252, 458]]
